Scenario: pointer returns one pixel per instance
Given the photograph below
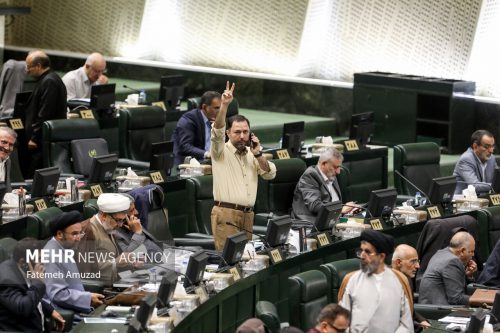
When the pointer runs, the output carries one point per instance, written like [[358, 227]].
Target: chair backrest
[[83, 152], [489, 229], [307, 296], [138, 129], [7, 245], [90, 208], [37, 224], [436, 235], [335, 272], [344, 180], [266, 311], [57, 137], [282, 187], [419, 162], [201, 199]]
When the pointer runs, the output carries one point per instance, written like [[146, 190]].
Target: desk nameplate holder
[[95, 190], [234, 271], [351, 145], [87, 114], [494, 199], [16, 124], [379, 224], [275, 255], [434, 212], [323, 239], [201, 292], [158, 177], [40, 204], [282, 154]]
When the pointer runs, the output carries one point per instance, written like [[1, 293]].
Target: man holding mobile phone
[[235, 168]]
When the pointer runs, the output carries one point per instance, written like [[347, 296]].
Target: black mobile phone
[[250, 142]]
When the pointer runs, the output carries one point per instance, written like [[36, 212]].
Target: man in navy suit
[[477, 165], [318, 185], [191, 136]]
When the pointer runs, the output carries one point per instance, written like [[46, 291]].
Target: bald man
[[405, 260], [79, 81], [444, 280], [47, 102]]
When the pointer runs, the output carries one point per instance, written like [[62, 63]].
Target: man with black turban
[[64, 286], [377, 296]]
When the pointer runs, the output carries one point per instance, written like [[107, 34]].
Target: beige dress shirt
[[235, 175]]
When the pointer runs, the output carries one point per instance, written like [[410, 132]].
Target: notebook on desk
[[482, 296]]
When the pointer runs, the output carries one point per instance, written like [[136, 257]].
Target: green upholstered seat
[[37, 224], [7, 245], [90, 208], [419, 162], [266, 311], [201, 201], [335, 272], [489, 229], [307, 296], [138, 129], [57, 136]]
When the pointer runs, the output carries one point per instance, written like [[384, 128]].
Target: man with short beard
[[67, 292], [99, 244], [377, 297], [477, 164], [236, 166]]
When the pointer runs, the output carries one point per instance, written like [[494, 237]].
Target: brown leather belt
[[229, 205]]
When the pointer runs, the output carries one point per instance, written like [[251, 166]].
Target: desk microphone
[[210, 252], [359, 207], [414, 186], [300, 223], [492, 191], [133, 89], [263, 239]]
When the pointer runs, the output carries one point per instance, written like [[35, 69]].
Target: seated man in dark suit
[[318, 185], [8, 139], [490, 276], [477, 165], [191, 136], [21, 292], [444, 280]]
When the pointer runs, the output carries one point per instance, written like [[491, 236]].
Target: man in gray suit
[[8, 138], [318, 185], [444, 280], [477, 165]]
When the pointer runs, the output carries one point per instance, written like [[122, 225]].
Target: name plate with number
[[323, 239], [351, 145], [275, 256], [433, 212], [235, 273], [282, 154], [16, 124], [40, 204], [376, 224], [86, 114], [495, 199], [96, 190], [202, 294], [157, 177]]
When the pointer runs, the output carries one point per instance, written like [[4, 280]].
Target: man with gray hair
[[8, 139], [444, 280], [318, 185], [79, 81]]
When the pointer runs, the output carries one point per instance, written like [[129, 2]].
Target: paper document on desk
[[99, 320], [457, 320]]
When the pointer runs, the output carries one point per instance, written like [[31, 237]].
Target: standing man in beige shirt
[[236, 165]]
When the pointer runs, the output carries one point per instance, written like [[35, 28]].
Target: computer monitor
[[278, 229], [382, 202], [167, 289], [143, 314], [171, 90], [195, 268], [496, 181], [442, 190], [162, 156], [293, 137], [102, 97], [328, 215], [495, 311], [233, 249], [102, 168], [45, 182], [362, 125], [476, 322]]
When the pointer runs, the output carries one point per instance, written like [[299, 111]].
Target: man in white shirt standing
[[378, 297], [79, 81]]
